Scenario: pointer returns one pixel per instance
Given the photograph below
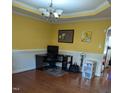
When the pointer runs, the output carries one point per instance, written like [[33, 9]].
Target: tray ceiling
[[72, 8]]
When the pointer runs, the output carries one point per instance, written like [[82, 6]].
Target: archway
[[107, 48]]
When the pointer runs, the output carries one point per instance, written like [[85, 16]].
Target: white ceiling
[[73, 9], [69, 6]]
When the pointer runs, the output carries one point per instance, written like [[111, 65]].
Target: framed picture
[[66, 36], [86, 36]]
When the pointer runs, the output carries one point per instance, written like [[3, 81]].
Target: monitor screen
[[52, 49]]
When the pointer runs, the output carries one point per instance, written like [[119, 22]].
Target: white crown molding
[[78, 13], [92, 12], [24, 5], [106, 3], [61, 22], [28, 15], [102, 5], [22, 14], [82, 20]]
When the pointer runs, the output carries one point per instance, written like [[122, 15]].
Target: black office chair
[[52, 56]]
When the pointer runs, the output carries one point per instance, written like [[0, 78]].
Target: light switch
[[100, 46]]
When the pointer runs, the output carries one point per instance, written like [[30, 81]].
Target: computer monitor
[[51, 49]]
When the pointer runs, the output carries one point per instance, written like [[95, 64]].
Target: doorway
[[107, 49]]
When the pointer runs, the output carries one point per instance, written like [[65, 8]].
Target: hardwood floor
[[36, 81]]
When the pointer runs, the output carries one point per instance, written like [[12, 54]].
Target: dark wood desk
[[39, 61], [64, 59]]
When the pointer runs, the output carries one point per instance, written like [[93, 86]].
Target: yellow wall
[[29, 33], [98, 35]]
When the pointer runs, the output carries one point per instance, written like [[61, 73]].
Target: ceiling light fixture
[[51, 13]]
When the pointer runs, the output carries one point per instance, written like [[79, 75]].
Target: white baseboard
[[21, 70], [24, 60]]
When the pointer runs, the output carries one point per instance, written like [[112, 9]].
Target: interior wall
[[33, 34], [98, 35], [29, 33]]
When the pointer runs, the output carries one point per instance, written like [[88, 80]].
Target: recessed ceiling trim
[[61, 21], [99, 9], [102, 7], [82, 20], [92, 12], [25, 7], [22, 14]]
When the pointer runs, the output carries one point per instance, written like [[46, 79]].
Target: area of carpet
[[55, 72]]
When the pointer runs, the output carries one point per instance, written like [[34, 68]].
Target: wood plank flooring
[[36, 81]]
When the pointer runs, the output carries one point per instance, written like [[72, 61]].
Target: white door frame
[[105, 44]]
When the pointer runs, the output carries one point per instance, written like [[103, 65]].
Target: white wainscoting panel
[[23, 60], [88, 56]]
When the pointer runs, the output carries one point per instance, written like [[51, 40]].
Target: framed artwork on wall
[[86, 36], [66, 36]]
